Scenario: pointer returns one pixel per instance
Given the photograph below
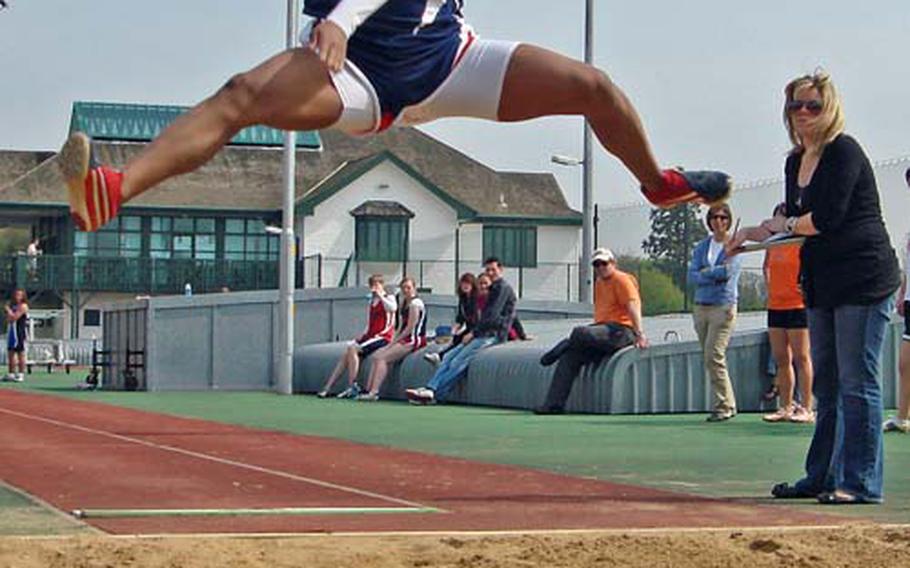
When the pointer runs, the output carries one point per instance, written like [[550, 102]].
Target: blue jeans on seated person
[[455, 365], [846, 452]]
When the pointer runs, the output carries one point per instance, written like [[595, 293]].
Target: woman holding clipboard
[[849, 275]]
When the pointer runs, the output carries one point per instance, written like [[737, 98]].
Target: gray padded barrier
[[665, 378]]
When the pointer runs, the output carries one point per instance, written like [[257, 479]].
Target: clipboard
[[778, 240]]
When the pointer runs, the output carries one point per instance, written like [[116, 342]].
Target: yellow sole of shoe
[[73, 161]]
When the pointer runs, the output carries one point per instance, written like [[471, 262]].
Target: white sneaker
[[432, 358], [352, 391], [368, 397], [9, 377], [895, 424], [421, 395], [18, 377]]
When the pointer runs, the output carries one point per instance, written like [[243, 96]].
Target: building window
[[91, 318], [183, 237], [121, 237], [381, 239], [246, 239], [513, 246]]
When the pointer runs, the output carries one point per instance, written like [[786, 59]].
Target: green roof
[[142, 123]]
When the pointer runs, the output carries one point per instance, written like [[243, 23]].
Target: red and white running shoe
[[94, 190], [680, 186]]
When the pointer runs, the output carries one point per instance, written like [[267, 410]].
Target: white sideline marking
[[224, 461]]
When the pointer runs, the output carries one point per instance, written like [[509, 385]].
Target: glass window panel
[[160, 254], [81, 240], [160, 242], [131, 223], [183, 225], [205, 225], [183, 246], [107, 240], [112, 226], [229, 255], [130, 241], [161, 224], [255, 226], [234, 244], [234, 226], [205, 246]]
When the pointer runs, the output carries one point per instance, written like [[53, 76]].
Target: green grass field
[[740, 459]]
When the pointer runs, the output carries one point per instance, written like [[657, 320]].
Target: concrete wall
[[88, 301], [227, 341]]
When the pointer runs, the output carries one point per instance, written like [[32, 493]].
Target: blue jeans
[[846, 451], [455, 365]]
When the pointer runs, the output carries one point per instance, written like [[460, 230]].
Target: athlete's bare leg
[[291, 91], [540, 82]]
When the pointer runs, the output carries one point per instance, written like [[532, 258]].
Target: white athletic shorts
[[473, 90]]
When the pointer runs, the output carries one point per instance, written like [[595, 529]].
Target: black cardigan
[[851, 260]]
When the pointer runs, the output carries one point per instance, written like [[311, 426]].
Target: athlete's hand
[[330, 42]]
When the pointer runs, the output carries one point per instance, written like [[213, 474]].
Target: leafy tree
[[673, 235], [659, 294]]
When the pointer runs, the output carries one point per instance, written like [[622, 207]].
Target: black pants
[[587, 344]]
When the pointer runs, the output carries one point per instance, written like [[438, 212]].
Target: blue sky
[[706, 75]]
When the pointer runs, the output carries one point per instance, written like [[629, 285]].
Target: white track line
[[224, 461]]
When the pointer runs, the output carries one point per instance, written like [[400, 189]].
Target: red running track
[[85, 455]]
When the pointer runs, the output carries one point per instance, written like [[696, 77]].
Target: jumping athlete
[[366, 65]]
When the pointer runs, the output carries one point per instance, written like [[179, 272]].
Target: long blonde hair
[[831, 118]]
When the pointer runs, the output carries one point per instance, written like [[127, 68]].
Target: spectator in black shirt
[[849, 275], [492, 327]]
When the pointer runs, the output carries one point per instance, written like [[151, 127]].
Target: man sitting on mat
[[617, 324]]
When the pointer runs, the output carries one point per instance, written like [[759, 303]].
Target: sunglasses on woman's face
[[721, 217], [813, 106]]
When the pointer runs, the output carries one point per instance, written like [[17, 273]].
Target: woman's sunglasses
[[721, 217], [813, 106]]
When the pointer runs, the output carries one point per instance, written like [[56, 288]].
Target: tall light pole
[[587, 193], [285, 364]]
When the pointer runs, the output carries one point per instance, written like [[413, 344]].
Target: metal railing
[[135, 275]]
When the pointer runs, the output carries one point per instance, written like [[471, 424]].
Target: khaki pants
[[714, 325]]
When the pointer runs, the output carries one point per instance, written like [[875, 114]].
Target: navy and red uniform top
[[381, 319], [406, 48]]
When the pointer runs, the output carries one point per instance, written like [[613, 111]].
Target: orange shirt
[[612, 297], [783, 279]]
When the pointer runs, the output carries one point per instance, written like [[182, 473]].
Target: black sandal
[[787, 491], [771, 393]]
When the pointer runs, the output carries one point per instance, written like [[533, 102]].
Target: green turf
[[20, 516], [740, 458]]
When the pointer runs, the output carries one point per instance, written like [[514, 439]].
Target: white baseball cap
[[602, 255]]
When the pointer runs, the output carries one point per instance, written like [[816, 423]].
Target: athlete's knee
[[596, 88], [237, 96]]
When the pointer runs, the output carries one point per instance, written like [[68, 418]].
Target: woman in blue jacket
[[715, 276]]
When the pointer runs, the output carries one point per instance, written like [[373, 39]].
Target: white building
[[408, 204]]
